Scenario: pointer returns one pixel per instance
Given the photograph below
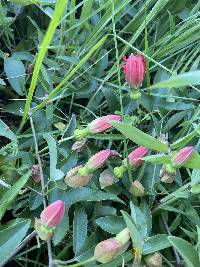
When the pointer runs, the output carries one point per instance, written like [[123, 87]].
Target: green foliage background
[[65, 76]]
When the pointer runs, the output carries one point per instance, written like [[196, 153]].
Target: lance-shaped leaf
[[139, 137]]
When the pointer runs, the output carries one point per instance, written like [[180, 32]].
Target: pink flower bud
[[135, 155], [106, 250], [101, 124], [106, 178], [182, 157], [134, 70], [73, 179], [53, 214], [96, 161]]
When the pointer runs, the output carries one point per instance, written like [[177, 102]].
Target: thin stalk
[[176, 255], [49, 248], [79, 263]]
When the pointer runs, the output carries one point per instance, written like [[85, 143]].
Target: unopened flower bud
[[101, 124], [98, 125], [154, 260], [106, 250], [137, 189], [79, 145], [167, 174], [35, 173], [95, 162], [134, 70], [182, 157], [52, 215], [106, 178], [136, 154], [73, 179]]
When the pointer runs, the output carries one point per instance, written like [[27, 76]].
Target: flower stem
[[77, 264], [42, 184]]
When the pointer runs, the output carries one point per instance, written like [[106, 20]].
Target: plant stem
[[79, 263], [178, 260], [43, 186]]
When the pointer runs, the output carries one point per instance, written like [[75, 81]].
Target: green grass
[[71, 52]]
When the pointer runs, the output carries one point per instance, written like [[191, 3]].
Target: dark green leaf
[[111, 224], [15, 72], [11, 237], [186, 250], [79, 229], [155, 243]]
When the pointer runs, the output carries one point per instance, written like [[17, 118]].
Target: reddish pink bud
[[182, 156], [135, 155], [110, 248], [53, 214], [106, 250], [134, 70], [106, 178], [97, 160], [101, 124]]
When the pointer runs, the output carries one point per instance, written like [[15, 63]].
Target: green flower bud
[[154, 260], [137, 189]]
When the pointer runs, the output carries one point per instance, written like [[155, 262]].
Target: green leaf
[[59, 9], [139, 137], [194, 161], [55, 174], [61, 230], [87, 194], [10, 194], [80, 224], [111, 224], [185, 79], [15, 72], [5, 131], [158, 159], [2, 82], [11, 237], [135, 234], [184, 140], [175, 119], [186, 250], [25, 2], [155, 243]]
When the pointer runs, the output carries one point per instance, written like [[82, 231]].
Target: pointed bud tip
[[182, 156], [52, 215]]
